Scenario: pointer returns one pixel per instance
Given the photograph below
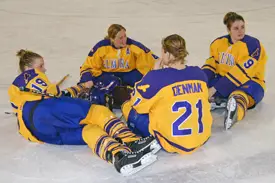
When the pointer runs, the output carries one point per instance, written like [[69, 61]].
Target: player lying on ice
[[62, 119], [116, 55], [235, 70], [171, 103]]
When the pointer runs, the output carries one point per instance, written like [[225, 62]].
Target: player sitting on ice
[[117, 56], [171, 103], [235, 70], [66, 120]]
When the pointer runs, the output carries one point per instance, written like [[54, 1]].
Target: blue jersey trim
[[102, 43], [155, 80], [138, 44], [23, 79], [253, 46]]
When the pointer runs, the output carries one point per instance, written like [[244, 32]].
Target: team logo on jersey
[[255, 53], [26, 78], [143, 87], [127, 51]]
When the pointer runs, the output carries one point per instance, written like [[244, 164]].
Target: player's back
[[180, 115]]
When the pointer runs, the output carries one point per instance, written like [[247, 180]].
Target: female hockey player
[[118, 55], [236, 69], [61, 119], [171, 103]]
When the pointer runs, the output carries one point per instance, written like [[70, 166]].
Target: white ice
[[64, 31]]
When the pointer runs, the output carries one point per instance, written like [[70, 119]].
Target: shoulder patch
[[143, 87], [23, 79], [253, 46], [104, 42]]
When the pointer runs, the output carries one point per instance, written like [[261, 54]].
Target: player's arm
[[91, 68], [210, 64], [74, 91], [242, 72], [145, 58]]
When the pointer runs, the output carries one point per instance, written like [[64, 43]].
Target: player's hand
[[54, 90], [88, 84], [158, 64], [211, 92]]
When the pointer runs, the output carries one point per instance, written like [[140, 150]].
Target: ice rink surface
[[64, 31]]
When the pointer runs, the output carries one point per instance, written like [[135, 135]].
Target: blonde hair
[[26, 58], [230, 18], [113, 30], [175, 45]]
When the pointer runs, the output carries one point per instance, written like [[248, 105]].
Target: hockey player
[[61, 119], [117, 55], [171, 103], [236, 69]]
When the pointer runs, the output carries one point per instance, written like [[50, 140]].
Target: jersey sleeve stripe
[[243, 71], [207, 66], [231, 77], [14, 106]]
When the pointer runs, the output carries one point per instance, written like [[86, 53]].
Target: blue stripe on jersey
[[174, 144], [23, 79], [138, 44], [243, 71], [235, 79], [155, 56], [14, 106], [104, 42], [225, 36], [253, 46], [158, 79], [209, 66]]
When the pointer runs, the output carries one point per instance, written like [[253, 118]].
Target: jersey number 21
[[176, 131]]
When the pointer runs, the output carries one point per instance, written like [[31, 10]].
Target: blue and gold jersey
[[178, 107], [235, 63], [36, 80], [104, 57], [32, 79]]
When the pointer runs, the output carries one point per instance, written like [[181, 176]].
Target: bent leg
[[101, 143], [130, 78], [50, 119], [107, 121], [138, 123]]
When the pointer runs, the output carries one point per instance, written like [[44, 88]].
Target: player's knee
[[90, 133], [105, 111], [100, 115]]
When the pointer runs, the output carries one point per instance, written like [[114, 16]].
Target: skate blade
[[155, 147], [214, 106], [231, 107], [145, 161]]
